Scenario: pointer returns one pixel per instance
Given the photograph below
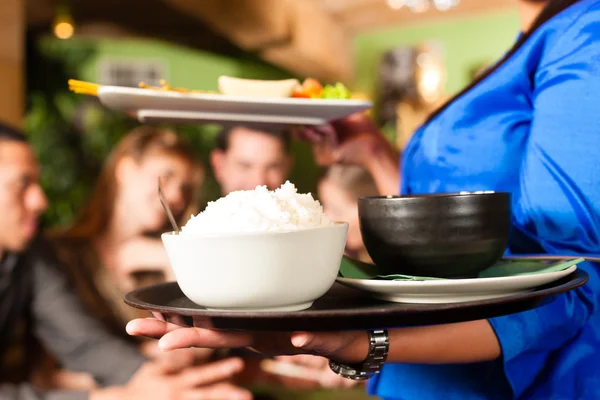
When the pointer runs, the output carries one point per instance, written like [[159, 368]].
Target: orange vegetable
[[310, 88], [299, 92]]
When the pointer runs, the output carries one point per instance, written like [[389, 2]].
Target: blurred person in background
[[339, 190], [113, 246], [36, 300], [245, 158]]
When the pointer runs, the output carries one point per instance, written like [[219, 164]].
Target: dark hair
[[282, 135], [552, 8], [12, 134]]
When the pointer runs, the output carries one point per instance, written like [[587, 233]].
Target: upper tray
[[343, 308], [155, 105]]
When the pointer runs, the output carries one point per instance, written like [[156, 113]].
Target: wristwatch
[[379, 344]]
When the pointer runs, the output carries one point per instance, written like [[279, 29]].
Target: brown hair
[[224, 136], [96, 213], [355, 180]]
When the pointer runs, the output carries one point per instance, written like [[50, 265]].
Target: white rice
[[259, 210]]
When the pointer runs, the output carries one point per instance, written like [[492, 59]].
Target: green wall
[[185, 67], [466, 42]]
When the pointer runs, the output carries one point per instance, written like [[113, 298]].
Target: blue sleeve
[[557, 204]]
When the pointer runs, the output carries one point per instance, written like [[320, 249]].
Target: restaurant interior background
[[43, 43]]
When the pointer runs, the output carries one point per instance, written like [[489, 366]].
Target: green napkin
[[351, 268], [527, 267]]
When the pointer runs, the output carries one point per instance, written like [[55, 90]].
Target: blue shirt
[[532, 128]]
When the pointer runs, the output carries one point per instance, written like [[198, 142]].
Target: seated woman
[[113, 246]]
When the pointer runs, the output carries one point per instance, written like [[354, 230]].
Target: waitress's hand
[[348, 347], [354, 140]]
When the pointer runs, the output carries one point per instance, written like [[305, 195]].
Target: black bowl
[[441, 235]]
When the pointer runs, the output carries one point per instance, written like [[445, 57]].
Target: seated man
[[35, 298], [246, 158]]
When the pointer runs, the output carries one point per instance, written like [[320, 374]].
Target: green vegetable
[[337, 91]]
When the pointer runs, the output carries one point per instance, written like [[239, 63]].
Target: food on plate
[[309, 89], [89, 88], [81, 87], [231, 86], [337, 91], [164, 86], [259, 210], [312, 89]]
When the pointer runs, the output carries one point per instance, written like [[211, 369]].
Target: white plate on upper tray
[[453, 290], [199, 107]]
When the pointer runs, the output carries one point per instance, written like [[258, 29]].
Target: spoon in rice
[[167, 208]]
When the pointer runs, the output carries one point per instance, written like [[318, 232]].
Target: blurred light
[[64, 30], [63, 25], [445, 5], [430, 81], [397, 4], [420, 6]]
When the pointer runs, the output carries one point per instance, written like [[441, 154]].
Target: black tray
[[344, 308]]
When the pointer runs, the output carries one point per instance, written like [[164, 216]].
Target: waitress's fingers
[[158, 316], [328, 134], [150, 327], [317, 134], [308, 134], [197, 337], [178, 320]]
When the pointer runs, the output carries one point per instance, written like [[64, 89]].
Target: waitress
[[530, 126]]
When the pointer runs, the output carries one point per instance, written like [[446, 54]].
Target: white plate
[[187, 117], [453, 290], [190, 107]]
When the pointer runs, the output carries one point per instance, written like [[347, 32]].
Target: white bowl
[[266, 271]]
